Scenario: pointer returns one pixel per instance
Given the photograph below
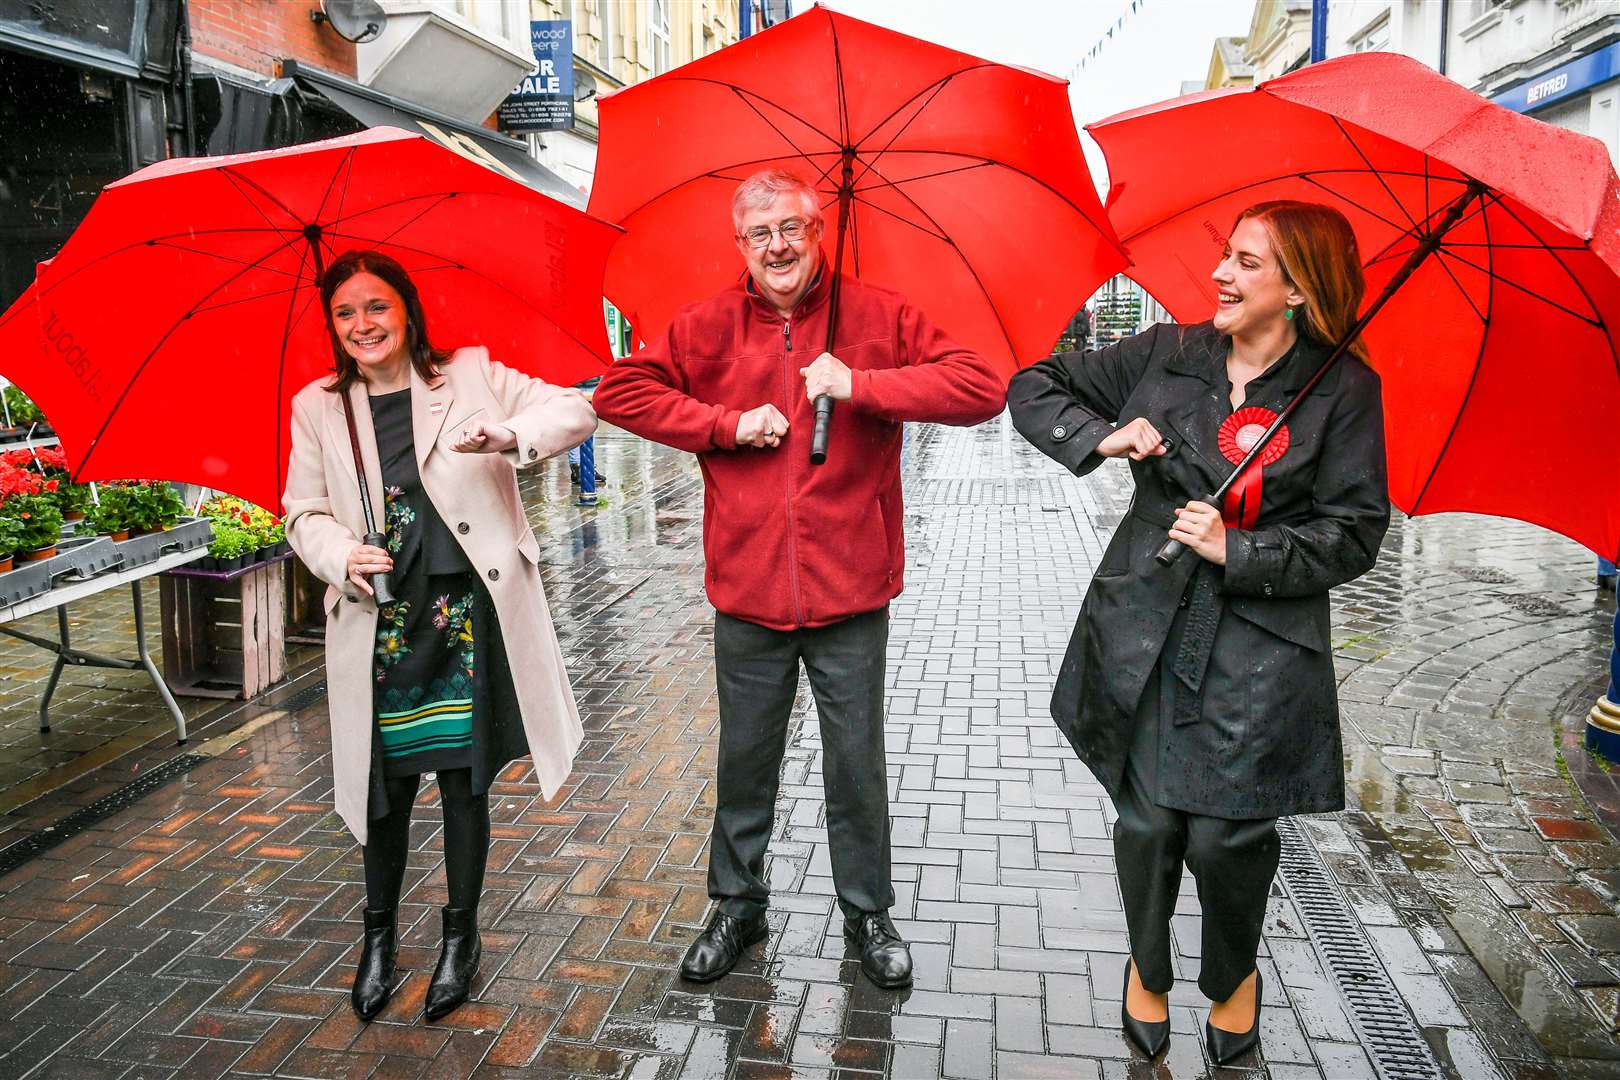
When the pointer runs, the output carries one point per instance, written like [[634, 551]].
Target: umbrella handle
[[380, 585], [818, 437], [1172, 550]]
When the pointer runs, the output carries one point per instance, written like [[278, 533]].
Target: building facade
[[1556, 60], [1279, 37]]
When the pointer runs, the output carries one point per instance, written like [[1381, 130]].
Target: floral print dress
[[430, 663]]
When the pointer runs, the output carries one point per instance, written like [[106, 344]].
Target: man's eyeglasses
[[792, 231]]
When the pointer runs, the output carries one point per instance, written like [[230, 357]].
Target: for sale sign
[[544, 100]]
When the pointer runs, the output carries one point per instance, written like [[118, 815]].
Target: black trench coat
[[1266, 742]]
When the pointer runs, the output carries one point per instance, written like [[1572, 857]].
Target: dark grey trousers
[[1233, 862], [757, 673]]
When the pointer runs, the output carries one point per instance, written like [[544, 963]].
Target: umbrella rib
[[714, 174], [934, 86], [346, 170], [1601, 323], [1190, 207], [281, 366], [1365, 160], [1369, 211], [43, 287], [1469, 300], [1012, 350], [95, 440], [744, 92], [870, 164], [234, 177], [772, 125], [982, 163], [1473, 378], [237, 259], [412, 221], [1589, 320], [869, 204], [222, 305]]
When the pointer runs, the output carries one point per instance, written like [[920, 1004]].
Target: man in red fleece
[[801, 560]]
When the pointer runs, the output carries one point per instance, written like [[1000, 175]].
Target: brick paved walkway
[[210, 929]]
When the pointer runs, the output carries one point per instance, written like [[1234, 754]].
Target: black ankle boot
[[458, 962], [374, 978]]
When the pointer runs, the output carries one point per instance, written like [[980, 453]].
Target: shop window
[[1374, 38]]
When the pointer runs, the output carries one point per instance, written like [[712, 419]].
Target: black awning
[[492, 150]]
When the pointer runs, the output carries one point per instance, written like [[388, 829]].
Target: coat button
[[1266, 588], [1059, 431], [533, 453], [352, 599], [495, 575], [463, 528]]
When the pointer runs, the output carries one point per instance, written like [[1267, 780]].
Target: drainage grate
[[105, 807], [1388, 1032], [304, 698]]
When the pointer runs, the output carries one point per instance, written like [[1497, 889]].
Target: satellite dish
[[358, 21]]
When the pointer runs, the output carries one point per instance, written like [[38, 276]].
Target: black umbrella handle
[[1175, 549], [381, 586], [818, 437]]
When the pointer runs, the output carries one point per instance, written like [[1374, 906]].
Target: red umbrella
[[1498, 354], [182, 316], [961, 182]]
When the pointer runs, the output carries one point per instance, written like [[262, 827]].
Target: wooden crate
[[306, 605], [224, 634]]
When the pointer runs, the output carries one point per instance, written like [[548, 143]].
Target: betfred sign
[[544, 100]]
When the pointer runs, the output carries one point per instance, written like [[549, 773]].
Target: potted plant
[[24, 413], [39, 524], [10, 540], [232, 546], [111, 516], [154, 505]]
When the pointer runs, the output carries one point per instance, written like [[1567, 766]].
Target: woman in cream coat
[[465, 673]]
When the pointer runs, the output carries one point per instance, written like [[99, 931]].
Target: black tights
[[466, 840]]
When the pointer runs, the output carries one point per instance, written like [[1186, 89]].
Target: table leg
[[151, 668], [56, 669]]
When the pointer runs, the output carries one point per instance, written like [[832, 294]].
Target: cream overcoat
[[477, 496]]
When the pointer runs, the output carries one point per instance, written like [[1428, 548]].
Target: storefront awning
[[507, 156]]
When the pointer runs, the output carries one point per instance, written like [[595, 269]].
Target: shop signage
[[1553, 86], [544, 100]]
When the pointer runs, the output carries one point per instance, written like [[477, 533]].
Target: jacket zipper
[[787, 478]]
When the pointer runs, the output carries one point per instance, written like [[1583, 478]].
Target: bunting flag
[[1108, 35]]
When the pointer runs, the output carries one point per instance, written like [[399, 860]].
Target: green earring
[[1288, 313]]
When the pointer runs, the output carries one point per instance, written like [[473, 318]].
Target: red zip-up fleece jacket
[[788, 544]]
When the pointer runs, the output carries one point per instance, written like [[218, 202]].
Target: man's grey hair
[[758, 191]]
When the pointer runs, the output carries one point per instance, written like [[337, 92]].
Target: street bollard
[[587, 472]]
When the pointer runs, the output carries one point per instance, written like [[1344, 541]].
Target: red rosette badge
[[1237, 437]]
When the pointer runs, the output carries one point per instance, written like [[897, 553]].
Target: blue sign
[[1562, 82], [544, 100]]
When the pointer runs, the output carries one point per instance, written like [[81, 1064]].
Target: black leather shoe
[[1150, 1037], [885, 957], [717, 950], [458, 962], [1226, 1047], [374, 977]]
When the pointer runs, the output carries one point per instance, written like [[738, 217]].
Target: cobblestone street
[[210, 927]]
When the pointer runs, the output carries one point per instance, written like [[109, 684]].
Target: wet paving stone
[[218, 916]]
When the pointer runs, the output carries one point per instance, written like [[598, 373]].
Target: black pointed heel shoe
[[374, 977], [458, 962], [1226, 1047], [1149, 1037]]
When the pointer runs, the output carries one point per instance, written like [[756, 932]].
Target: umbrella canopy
[[184, 314], [967, 191], [1503, 336]]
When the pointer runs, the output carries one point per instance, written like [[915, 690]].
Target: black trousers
[[757, 675], [466, 840], [1232, 861]]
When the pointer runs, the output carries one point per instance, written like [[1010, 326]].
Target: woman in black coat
[[1202, 695]]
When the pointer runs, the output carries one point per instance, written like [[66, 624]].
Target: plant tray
[[24, 581], [188, 534], [83, 557]]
